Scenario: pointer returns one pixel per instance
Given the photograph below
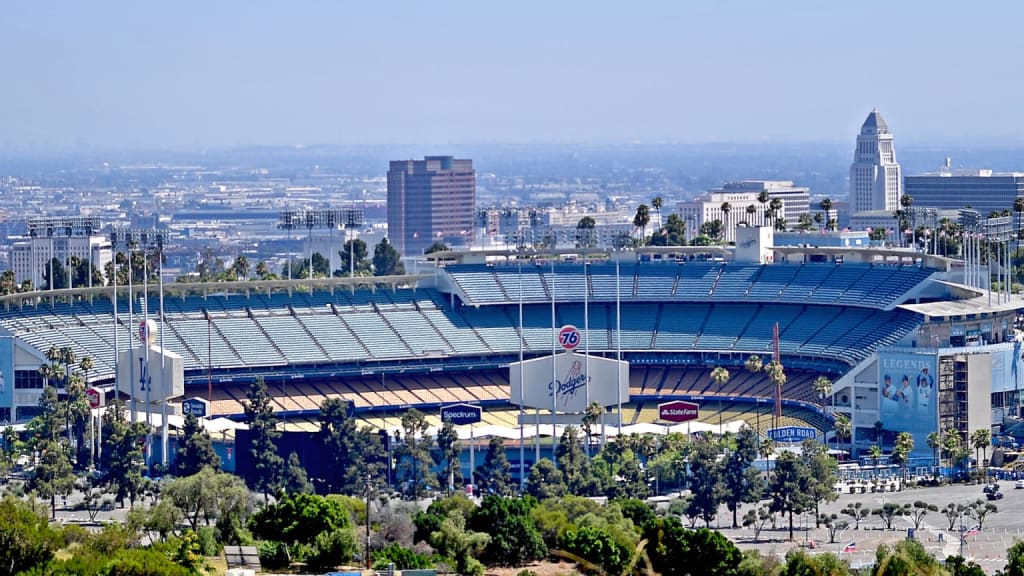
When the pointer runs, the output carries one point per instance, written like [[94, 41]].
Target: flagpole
[[522, 384], [554, 371], [586, 340], [163, 354], [618, 343]]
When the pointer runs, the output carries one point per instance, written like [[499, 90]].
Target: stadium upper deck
[[835, 313]]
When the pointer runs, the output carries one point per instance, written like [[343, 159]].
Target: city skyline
[[192, 75]]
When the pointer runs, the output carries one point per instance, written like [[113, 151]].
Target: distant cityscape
[[222, 205]]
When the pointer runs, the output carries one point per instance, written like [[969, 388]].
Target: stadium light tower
[[148, 241], [329, 218], [62, 227]]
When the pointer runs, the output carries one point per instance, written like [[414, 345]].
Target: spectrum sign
[[460, 414]]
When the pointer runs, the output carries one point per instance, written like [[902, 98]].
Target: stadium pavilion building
[[908, 346]]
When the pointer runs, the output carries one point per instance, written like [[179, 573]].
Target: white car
[[1019, 485]]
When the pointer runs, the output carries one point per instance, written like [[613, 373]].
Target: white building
[[876, 181], [745, 206], [30, 257]]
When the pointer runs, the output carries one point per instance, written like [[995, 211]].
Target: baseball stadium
[[448, 335]]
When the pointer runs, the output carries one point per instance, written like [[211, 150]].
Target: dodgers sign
[[460, 414], [792, 433], [678, 411], [567, 384]]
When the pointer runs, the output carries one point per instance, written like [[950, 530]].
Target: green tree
[[437, 246], [597, 547], [26, 539], [889, 512], [906, 558], [354, 452], [675, 550], [447, 456], [259, 415], [362, 264], [935, 443], [414, 454], [981, 439], [833, 524], [960, 566], [209, 494], [545, 481], [857, 511], [53, 475], [574, 464], [295, 480], [712, 229], [672, 233], [195, 450], [741, 481], [901, 451], [805, 222], [495, 474], [821, 469], [919, 510], [386, 261], [757, 519], [641, 220], [515, 539], [789, 487], [705, 479], [1014, 557], [453, 540], [122, 461]]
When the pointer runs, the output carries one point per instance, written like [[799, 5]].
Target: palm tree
[[762, 198], [935, 442], [823, 388], [592, 415], [777, 221], [777, 376], [767, 447], [875, 452], [901, 451], [720, 376], [642, 218], [753, 364], [981, 439], [657, 203], [1018, 207], [843, 429], [826, 207], [726, 208], [85, 365], [751, 211], [906, 201]]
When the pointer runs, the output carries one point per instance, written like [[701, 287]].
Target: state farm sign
[[678, 411]]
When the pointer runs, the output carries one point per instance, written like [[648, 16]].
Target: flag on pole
[[976, 529], [851, 547]]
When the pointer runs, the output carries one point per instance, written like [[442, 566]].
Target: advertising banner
[[567, 385], [908, 396]]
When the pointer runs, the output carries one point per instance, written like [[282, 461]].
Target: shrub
[[273, 554], [332, 548], [403, 558], [207, 538]]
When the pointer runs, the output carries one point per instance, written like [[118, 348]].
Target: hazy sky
[[188, 74]]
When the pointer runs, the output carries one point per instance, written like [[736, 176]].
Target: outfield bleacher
[[850, 284]]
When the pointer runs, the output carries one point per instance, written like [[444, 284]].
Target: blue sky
[[193, 74]]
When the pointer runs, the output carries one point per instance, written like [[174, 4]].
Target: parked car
[[990, 488], [1019, 484], [995, 495]]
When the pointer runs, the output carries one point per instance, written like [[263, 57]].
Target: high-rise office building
[[745, 207], [431, 200], [30, 258], [875, 177], [950, 189]]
